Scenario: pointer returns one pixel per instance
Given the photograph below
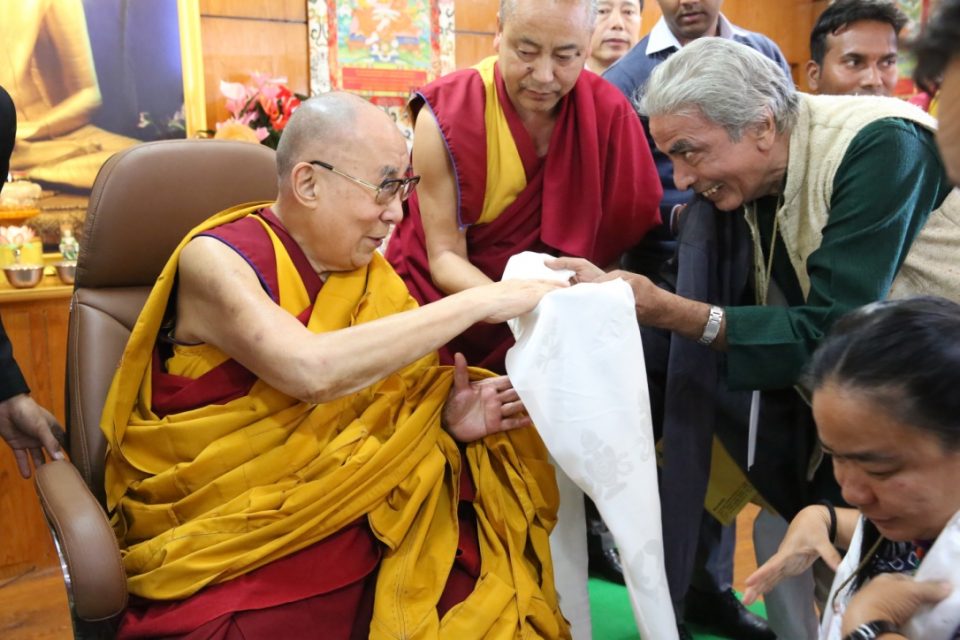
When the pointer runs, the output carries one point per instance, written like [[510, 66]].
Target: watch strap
[[871, 630], [712, 329]]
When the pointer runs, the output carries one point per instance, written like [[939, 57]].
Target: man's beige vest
[[818, 143]]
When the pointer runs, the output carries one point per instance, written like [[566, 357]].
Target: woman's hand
[[891, 596], [807, 539], [477, 409]]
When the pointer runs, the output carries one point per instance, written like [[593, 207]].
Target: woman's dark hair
[[905, 354], [936, 45]]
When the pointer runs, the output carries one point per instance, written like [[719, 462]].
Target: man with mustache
[[684, 21], [616, 32], [853, 48]]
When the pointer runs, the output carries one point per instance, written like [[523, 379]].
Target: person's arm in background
[[807, 539], [26, 426], [446, 241]]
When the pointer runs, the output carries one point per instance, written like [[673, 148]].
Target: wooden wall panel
[[472, 48], [241, 37], [476, 15], [234, 49], [294, 10]]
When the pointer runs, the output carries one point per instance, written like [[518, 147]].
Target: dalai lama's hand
[[477, 409]]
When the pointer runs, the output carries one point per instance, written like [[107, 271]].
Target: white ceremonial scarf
[[942, 562], [578, 367]]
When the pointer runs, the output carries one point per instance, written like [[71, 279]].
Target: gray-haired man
[[846, 201]]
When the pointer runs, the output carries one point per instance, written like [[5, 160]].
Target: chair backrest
[[144, 201]]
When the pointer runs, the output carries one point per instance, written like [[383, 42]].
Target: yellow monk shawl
[[206, 495]]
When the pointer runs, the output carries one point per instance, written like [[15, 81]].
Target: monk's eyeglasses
[[383, 192]]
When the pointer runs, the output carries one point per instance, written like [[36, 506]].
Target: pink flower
[[264, 105], [237, 96], [270, 91]]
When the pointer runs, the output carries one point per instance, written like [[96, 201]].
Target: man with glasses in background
[[284, 450]]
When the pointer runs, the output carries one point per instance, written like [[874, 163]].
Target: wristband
[[871, 630], [832, 528]]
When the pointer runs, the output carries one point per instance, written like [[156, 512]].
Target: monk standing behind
[[523, 152], [283, 455]]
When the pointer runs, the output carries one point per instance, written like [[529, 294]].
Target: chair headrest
[[147, 197]]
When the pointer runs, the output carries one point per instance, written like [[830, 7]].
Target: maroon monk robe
[[327, 586], [594, 195]]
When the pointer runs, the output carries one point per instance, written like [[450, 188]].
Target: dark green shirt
[[888, 182]]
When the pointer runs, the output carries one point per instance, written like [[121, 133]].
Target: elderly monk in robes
[[287, 459], [523, 152]]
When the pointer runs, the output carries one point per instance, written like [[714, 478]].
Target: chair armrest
[[96, 581]]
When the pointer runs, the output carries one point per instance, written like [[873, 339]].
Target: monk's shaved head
[[328, 119], [507, 8]]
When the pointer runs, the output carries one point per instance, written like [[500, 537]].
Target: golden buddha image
[[49, 71]]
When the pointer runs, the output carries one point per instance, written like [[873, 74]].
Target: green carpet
[[613, 620]]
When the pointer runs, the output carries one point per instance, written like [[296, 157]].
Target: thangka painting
[[380, 49], [917, 11]]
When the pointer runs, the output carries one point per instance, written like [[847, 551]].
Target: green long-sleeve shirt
[[888, 182]]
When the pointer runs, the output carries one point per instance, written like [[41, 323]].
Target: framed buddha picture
[[90, 78]]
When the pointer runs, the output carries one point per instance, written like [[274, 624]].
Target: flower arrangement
[[259, 110], [14, 238]]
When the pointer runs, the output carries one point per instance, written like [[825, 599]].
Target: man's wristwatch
[[712, 329], [871, 630]]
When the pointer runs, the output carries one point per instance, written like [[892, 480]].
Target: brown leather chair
[[144, 201]]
